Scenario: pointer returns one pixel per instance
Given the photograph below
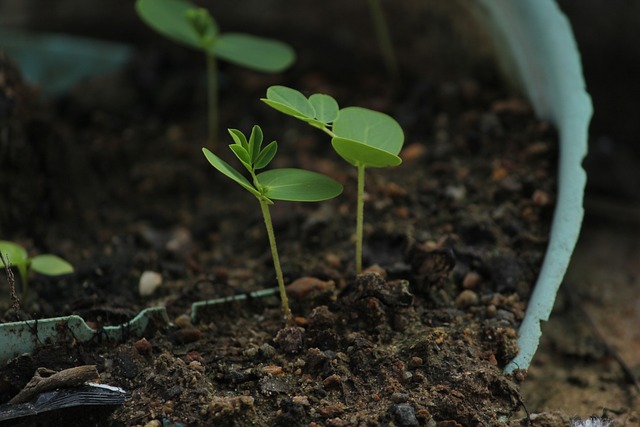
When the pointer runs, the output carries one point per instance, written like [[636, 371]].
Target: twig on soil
[[46, 379], [15, 301]]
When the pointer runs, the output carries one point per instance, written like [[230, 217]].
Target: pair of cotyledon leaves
[[47, 264], [359, 135], [277, 184], [184, 22]]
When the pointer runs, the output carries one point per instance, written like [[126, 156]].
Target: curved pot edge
[[535, 41]]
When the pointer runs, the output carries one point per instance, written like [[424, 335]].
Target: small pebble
[[541, 198], [471, 279], [415, 361], [267, 351], [333, 260], [194, 364], [153, 423], [290, 339], [331, 411], [413, 151], [272, 370], [300, 288], [399, 397], [143, 346], [467, 298], [394, 191], [491, 310], [187, 335], [404, 415], [332, 381], [149, 282], [301, 400], [183, 321], [376, 268]]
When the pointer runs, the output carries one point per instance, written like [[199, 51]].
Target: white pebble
[[150, 281]]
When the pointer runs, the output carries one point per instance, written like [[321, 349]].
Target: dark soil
[[112, 178]]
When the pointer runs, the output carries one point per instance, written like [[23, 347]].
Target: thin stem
[[359, 218], [212, 98], [276, 261], [384, 40], [328, 131]]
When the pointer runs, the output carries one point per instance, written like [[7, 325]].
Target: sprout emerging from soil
[[185, 23], [363, 137], [296, 185], [47, 264]]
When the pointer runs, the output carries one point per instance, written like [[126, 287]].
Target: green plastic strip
[[24, 337], [197, 306], [535, 41]]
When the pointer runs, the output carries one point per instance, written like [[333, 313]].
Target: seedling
[[47, 264], [296, 185], [364, 138], [192, 26], [384, 40]]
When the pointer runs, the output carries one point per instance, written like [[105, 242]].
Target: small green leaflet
[[224, 168]]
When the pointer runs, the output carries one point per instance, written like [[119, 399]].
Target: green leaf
[[255, 143], [169, 18], [298, 185], [369, 127], [266, 155], [17, 257], [224, 168], [16, 253], [356, 152], [242, 155], [202, 23], [325, 106], [50, 265], [239, 138], [257, 53], [289, 101]]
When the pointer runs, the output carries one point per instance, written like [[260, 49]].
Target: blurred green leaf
[[50, 265], [169, 18], [254, 52]]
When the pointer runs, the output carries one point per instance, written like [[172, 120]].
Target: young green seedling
[[47, 264], [364, 138], [296, 185], [384, 40], [190, 25]]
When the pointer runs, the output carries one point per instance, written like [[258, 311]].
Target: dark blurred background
[[606, 35]]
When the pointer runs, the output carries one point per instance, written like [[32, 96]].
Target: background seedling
[[364, 138], [278, 184], [192, 26], [384, 39], [47, 264]]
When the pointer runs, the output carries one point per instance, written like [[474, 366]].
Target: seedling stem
[[295, 185], [359, 218], [212, 83], [384, 40], [276, 261]]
